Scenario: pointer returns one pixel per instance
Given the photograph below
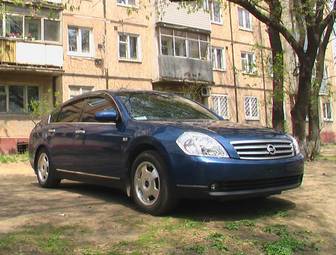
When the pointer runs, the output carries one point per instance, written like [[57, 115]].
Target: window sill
[[130, 60], [128, 6], [219, 70], [252, 119], [328, 120], [246, 29], [30, 41], [255, 74], [81, 56], [220, 23]]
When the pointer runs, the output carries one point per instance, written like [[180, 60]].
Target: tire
[[45, 172], [152, 190]]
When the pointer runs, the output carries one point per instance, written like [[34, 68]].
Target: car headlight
[[296, 145], [198, 144]]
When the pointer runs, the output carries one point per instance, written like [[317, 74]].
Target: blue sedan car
[[160, 147]]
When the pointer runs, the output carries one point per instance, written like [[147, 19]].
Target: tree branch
[[329, 18]]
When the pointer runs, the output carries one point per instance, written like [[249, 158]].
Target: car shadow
[[197, 210]]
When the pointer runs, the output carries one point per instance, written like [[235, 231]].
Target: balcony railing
[[185, 69], [31, 53]]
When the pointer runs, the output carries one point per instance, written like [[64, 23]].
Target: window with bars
[[218, 58], [17, 98], [327, 111], [251, 108], [76, 90], [129, 47], [244, 19], [219, 104], [248, 61]]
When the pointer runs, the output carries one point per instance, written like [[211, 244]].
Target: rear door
[[100, 143], [61, 135]]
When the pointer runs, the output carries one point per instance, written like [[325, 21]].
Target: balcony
[[185, 69], [30, 54], [174, 14]]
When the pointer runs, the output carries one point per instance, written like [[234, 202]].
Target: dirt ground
[[109, 217]]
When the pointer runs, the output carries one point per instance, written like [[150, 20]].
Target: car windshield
[[152, 106]]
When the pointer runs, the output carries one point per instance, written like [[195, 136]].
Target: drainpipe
[[53, 90], [234, 65], [105, 35], [263, 71]]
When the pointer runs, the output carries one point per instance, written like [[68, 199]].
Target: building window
[[126, 2], [14, 26], [129, 47], [244, 19], [80, 41], [324, 84], [251, 108], [219, 104], [218, 59], [215, 11], [17, 99], [79, 90], [327, 111], [248, 62], [183, 44], [30, 28]]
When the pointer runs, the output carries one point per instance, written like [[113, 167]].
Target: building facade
[[220, 57]]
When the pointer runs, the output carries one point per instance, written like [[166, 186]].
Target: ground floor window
[[327, 111], [219, 104], [17, 98], [76, 90], [251, 108]]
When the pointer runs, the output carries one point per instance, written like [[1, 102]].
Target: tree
[[314, 23]]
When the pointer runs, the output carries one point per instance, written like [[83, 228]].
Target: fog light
[[213, 186]]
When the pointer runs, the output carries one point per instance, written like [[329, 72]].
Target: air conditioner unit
[[205, 91]]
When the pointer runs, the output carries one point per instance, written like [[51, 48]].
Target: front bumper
[[232, 178]]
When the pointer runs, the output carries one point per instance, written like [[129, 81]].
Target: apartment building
[[219, 56]]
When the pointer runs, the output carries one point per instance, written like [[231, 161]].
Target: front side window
[[248, 62], [32, 28], [94, 105], [71, 112], [218, 59], [251, 108], [129, 47], [220, 105], [215, 11], [150, 106], [244, 19], [80, 41], [14, 26], [327, 111], [79, 90]]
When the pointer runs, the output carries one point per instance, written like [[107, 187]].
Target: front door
[[99, 144]]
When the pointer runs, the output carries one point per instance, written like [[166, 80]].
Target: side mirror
[[107, 115]]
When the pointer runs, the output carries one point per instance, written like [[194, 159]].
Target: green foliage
[[217, 241], [13, 158], [196, 249]]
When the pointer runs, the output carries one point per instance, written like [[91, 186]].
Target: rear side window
[[54, 115], [94, 105], [71, 112]]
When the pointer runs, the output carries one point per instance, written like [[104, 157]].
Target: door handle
[[51, 131], [79, 132]]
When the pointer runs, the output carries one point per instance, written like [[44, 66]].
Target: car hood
[[225, 128]]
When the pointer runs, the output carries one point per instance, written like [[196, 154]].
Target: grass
[[13, 158]]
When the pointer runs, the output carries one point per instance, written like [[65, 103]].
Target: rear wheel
[[152, 189], [46, 174]]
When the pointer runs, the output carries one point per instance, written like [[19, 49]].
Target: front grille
[[259, 184], [263, 149]]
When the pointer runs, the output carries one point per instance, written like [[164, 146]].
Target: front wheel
[[152, 189], [45, 172]]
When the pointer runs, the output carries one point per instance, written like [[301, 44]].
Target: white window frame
[[214, 58], [253, 71], [251, 117], [79, 52], [187, 39], [25, 97], [80, 87], [42, 20], [135, 5], [210, 4], [246, 15], [217, 108], [138, 45], [325, 113]]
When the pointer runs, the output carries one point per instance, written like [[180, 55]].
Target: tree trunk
[[278, 80], [300, 110]]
